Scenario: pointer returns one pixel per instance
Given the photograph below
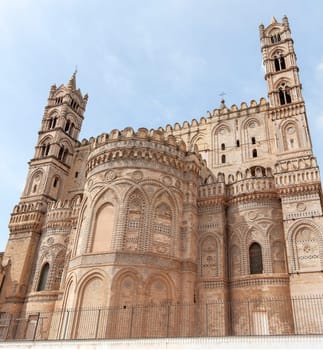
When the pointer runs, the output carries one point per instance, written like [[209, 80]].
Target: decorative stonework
[[218, 209]]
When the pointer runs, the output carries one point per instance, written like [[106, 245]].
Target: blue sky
[[143, 63]]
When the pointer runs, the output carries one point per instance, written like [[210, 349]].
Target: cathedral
[[208, 227]]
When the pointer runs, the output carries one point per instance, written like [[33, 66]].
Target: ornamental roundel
[[291, 130], [167, 180], [301, 206], [137, 175], [110, 175], [252, 125], [50, 240], [252, 215]]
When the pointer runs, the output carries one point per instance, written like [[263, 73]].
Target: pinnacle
[[273, 20], [72, 82]]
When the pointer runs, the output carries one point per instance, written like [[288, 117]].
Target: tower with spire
[[47, 174], [220, 217]]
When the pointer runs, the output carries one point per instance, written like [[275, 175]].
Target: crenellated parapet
[[253, 183], [287, 111], [153, 147], [27, 217], [59, 215], [222, 113], [297, 175]]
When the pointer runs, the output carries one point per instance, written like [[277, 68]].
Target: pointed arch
[[126, 285], [59, 264], [279, 60], [44, 146], [51, 122], [136, 207], [161, 238], [208, 257], [306, 246], [103, 229], [35, 182], [103, 220], [291, 135], [159, 289], [221, 135], [92, 294]]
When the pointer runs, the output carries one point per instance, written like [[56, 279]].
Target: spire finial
[[273, 20], [72, 83]]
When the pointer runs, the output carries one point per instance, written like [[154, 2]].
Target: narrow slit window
[[43, 278], [254, 153], [223, 159], [222, 146], [238, 143], [253, 140], [55, 182]]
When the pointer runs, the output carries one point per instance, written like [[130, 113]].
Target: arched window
[[255, 259], [223, 158], [52, 123], [275, 38], [72, 127], [45, 149], [238, 143], [67, 125], [254, 153], [279, 61], [222, 146], [62, 154], [55, 182], [43, 278], [253, 140], [284, 94]]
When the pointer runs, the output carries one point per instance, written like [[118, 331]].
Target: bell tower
[[279, 59], [48, 170], [57, 137], [297, 176]]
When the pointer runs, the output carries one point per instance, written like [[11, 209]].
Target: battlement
[[27, 216], [151, 145], [301, 172], [222, 113], [253, 180], [62, 213]]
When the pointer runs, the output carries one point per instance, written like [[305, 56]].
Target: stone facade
[[227, 208]]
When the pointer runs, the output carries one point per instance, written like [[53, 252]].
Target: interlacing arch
[[35, 182], [136, 209], [127, 286], [209, 256], [162, 239], [103, 221], [305, 243], [291, 136]]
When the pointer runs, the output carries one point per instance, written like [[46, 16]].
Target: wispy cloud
[[319, 66], [319, 122]]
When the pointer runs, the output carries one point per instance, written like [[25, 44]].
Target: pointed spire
[[273, 20], [72, 83]]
